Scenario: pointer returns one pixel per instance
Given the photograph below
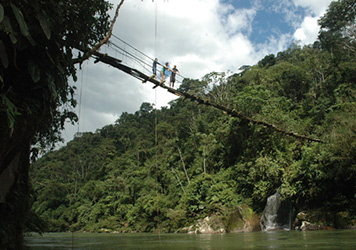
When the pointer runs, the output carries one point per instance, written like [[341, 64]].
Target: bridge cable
[[142, 53], [156, 134]]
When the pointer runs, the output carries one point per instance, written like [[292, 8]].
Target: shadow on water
[[338, 239]]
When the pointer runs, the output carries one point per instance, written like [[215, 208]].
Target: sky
[[199, 36]]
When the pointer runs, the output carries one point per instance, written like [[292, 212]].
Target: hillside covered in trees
[[206, 162], [168, 168]]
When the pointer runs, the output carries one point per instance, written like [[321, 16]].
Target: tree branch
[[102, 42]]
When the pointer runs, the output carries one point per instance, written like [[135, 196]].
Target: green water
[[338, 239]]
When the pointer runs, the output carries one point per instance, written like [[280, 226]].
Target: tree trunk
[[14, 195], [14, 180], [185, 170]]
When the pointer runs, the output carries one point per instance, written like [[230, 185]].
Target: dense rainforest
[[206, 162], [167, 168]]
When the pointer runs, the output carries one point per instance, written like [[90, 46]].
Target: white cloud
[[308, 32], [317, 7], [193, 30], [237, 20], [279, 43]]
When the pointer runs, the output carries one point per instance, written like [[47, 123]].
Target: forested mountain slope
[[206, 162]]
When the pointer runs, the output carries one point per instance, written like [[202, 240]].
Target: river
[[337, 239]]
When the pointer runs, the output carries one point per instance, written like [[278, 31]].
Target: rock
[[104, 230], [245, 220], [183, 230], [321, 227], [319, 220], [302, 216], [307, 226], [208, 225], [242, 219], [239, 219]]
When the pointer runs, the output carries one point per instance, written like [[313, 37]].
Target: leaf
[[52, 88], [11, 110], [13, 38], [42, 18], [3, 56], [23, 26], [34, 71], [29, 38], [1, 13], [21, 20], [8, 29]]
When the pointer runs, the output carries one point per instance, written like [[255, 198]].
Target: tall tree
[[338, 26], [37, 39]]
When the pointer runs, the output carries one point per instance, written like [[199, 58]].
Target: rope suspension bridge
[[141, 69], [135, 59]]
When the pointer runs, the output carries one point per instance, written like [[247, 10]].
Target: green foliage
[[337, 31], [36, 45], [36, 60], [204, 162], [267, 61], [11, 111]]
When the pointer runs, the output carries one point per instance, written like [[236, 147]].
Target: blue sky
[[272, 18], [199, 36]]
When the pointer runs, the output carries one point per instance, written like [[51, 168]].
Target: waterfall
[[277, 214]]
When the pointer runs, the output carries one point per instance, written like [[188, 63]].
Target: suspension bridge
[[134, 62]]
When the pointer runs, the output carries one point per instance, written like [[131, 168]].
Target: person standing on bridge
[[173, 76], [163, 72], [154, 68]]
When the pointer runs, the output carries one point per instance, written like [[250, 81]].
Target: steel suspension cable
[[150, 58], [130, 54], [156, 133], [118, 38]]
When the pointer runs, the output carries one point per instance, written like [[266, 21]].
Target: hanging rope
[[156, 133], [80, 99], [156, 28]]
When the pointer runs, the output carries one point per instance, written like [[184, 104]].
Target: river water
[[337, 239]]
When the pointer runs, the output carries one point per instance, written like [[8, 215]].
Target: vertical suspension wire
[[156, 134], [156, 161], [84, 98], [80, 99], [156, 29]]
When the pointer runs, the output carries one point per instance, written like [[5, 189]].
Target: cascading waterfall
[[277, 214]]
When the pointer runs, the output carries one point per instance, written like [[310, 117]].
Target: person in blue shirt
[[163, 72]]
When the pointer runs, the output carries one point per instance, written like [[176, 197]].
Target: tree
[[37, 39], [207, 163], [338, 26], [267, 61]]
